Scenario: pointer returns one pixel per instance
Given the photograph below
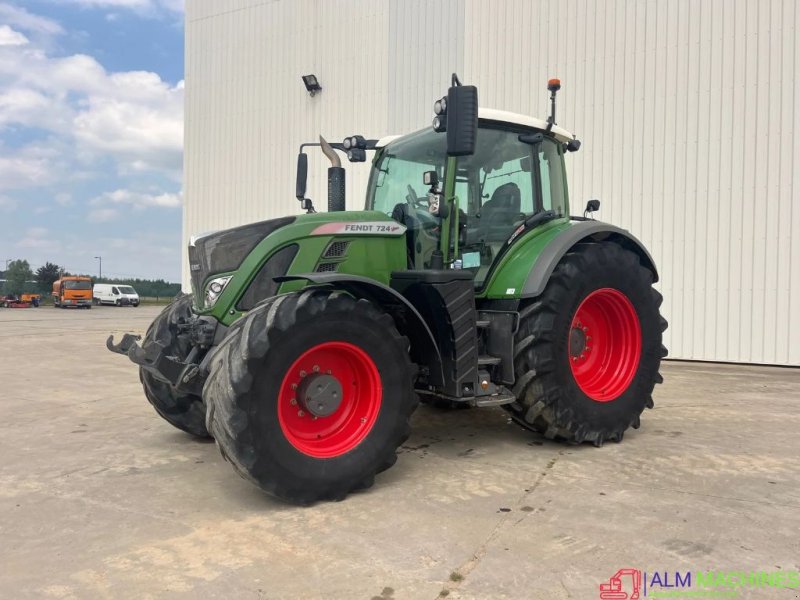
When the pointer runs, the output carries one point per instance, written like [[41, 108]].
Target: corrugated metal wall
[[688, 111]]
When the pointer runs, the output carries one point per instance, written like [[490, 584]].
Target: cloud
[[39, 238], [139, 200], [37, 232], [133, 118], [9, 37], [147, 8], [64, 199], [102, 215], [24, 171], [22, 19]]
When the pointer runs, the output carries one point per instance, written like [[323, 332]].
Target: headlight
[[214, 288]]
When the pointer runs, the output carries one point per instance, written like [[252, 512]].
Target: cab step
[[487, 359], [496, 400]]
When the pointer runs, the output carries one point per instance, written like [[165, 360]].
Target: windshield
[[126, 289], [71, 284], [401, 167]]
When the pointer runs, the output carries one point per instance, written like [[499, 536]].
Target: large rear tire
[[310, 395], [187, 412], [588, 349]]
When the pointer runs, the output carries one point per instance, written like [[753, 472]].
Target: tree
[[46, 275], [18, 272]]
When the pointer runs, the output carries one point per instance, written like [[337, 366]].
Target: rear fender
[[580, 231], [424, 350]]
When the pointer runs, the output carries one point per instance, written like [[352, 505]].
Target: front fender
[[424, 350]]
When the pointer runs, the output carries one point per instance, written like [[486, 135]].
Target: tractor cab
[[514, 179]]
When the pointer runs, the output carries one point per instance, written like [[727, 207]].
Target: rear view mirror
[[302, 174], [462, 120], [592, 206], [531, 138]]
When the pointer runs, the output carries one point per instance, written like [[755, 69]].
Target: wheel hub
[[577, 341], [320, 394]]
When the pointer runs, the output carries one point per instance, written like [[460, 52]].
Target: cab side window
[[551, 172], [517, 172], [115, 291]]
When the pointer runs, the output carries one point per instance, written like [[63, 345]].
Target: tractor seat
[[500, 213]]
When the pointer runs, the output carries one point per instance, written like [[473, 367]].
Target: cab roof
[[503, 116]]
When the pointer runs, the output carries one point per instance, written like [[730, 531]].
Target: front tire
[[187, 412], [310, 395], [588, 349]]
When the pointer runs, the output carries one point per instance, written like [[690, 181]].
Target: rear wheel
[[187, 412], [310, 395], [589, 348]]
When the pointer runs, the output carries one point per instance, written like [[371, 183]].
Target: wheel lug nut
[[585, 329], [303, 373], [363, 420], [300, 413], [293, 401], [328, 371], [294, 386], [316, 369]]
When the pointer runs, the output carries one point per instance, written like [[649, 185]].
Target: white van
[[112, 293]]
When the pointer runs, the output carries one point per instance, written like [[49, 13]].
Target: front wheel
[[589, 348], [310, 395], [187, 412]]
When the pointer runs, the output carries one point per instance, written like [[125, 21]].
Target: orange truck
[[72, 291]]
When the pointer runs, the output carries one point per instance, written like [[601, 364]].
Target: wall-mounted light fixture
[[312, 85]]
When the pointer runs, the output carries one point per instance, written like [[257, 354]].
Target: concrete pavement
[[100, 498]]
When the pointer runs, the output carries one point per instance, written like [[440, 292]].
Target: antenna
[[553, 85]]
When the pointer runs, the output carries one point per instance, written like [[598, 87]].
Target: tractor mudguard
[[580, 231], [424, 350]]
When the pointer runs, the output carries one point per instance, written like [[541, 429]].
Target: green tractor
[[308, 340]]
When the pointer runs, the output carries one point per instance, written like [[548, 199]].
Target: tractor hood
[[223, 251]]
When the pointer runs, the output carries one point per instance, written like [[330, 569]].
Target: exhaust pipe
[[336, 178]]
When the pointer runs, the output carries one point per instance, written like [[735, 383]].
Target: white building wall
[[688, 111]]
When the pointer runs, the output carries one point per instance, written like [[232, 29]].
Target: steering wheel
[[419, 210], [413, 200]]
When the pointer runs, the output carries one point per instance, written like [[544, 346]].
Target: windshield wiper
[[539, 218]]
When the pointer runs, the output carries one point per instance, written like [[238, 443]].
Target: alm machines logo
[[620, 588], [631, 584]]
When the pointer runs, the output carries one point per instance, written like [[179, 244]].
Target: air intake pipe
[[336, 178]]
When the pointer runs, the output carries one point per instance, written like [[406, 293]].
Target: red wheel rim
[[605, 344], [350, 422]]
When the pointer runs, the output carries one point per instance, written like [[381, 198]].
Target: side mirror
[[302, 175], [573, 145], [592, 206], [462, 120]]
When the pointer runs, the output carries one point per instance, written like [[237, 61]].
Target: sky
[[91, 135]]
